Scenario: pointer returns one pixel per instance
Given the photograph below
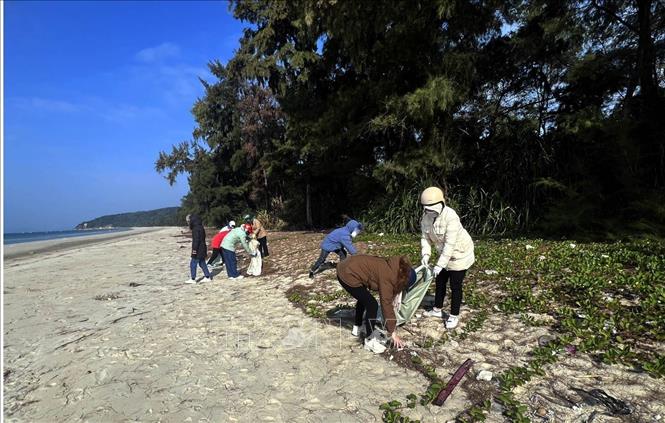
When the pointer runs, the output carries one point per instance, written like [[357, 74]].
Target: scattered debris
[[452, 383], [107, 297], [134, 284], [484, 375], [545, 340], [598, 396]]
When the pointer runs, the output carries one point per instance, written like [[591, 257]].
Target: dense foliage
[[169, 216], [541, 114]]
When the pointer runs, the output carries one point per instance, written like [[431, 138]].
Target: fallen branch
[[129, 315], [452, 383], [75, 340]]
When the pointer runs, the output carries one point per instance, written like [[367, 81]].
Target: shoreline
[[25, 249]]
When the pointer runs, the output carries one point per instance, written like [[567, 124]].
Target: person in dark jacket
[[199, 249], [389, 276], [340, 242]]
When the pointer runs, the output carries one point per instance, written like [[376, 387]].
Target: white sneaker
[[452, 322], [434, 313], [190, 281], [358, 330], [374, 345], [237, 277], [204, 280]]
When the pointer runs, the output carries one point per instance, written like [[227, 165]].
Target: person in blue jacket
[[340, 242]]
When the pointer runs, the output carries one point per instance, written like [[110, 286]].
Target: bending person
[[216, 243], [236, 236], [441, 226], [339, 241], [389, 276]]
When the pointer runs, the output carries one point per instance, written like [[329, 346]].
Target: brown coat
[[388, 276], [258, 229]]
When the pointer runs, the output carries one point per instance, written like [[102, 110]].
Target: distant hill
[[161, 217]]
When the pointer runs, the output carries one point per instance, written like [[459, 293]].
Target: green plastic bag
[[411, 300]]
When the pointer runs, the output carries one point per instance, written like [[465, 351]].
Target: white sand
[[81, 344]]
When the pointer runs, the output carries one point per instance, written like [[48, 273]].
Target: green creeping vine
[[606, 299], [519, 375]]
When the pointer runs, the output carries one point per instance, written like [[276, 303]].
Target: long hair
[[403, 273]]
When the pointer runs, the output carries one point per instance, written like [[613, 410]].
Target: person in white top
[[256, 262], [442, 228]]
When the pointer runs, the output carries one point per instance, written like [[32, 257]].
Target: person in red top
[[216, 243], [248, 228]]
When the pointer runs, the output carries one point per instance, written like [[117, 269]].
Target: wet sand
[[13, 251]]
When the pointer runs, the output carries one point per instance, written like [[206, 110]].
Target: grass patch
[[606, 299]]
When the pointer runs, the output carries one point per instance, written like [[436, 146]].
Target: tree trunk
[[646, 60], [308, 206], [265, 187], [649, 116]]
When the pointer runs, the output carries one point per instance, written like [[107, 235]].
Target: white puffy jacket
[[451, 240]]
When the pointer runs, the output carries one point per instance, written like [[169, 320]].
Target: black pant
[[216, 252], [324, 254], [366, 302], [263, 246], [456, 278]]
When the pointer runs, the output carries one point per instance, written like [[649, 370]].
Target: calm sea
[[15, 238]]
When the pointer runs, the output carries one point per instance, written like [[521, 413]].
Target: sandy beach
[[108, 332]]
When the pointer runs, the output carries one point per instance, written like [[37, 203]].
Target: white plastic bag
[[256, 262]]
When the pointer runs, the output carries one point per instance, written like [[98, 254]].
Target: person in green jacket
[[235, 237]]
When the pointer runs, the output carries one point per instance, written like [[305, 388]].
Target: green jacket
[[237, 235]]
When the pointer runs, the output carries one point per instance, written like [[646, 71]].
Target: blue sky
[[93, 92]]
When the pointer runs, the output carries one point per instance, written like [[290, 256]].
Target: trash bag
[[411, 300], [256, 262]]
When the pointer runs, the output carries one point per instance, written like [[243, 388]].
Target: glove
[[437, 270], [425, 260]]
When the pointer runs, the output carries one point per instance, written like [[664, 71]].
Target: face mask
[[435, 209], [354, 234]]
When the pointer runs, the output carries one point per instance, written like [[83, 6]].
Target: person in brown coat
[[260, 232], [389, 276]]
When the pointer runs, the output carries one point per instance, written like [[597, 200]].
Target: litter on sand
[[598, 396], [452, 383]]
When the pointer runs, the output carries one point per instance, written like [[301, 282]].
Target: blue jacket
[[341, 237]]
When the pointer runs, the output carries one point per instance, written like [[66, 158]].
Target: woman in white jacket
[[441, 227]]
